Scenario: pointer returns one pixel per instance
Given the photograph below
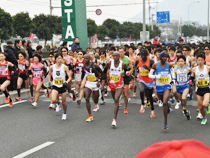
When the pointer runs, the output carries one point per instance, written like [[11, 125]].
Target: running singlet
[[170, 60], [59, 76], [115, 73], [165, 75], [143, 73], [22, 67], [125, 60], [32, 60], [91, 74], [202, 78], [4, 70], [37, 71], [181, 76], [79, 66]]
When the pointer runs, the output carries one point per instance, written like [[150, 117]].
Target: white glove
[[158, 76]]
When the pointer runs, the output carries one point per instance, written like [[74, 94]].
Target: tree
[[92, 27], [122, 31], [113, 32], [137, 28], [102, 32], [188, 30], [6, 25], [109, 23], [156, 31], [45, 26], [129, 29], [23, 24]]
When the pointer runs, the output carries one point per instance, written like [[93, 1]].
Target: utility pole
[[208, 24], [144, 24], [149, 11], [51, 7]]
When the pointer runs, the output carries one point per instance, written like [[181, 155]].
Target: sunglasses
[[79, 54], [51, 56], [206, 49], [184, 50], [20, 56]]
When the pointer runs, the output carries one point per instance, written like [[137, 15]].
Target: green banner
[[74, 21]]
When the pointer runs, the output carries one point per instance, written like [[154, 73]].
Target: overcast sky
[[120, 13]]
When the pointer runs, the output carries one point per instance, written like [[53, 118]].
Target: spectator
[[16, 47], [156, 41], [38, 50], [10, 53], [30, 49], [23, 49], [76, 44]]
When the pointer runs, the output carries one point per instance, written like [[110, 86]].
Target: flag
[[129, 40], [31, 37], [94, 40]]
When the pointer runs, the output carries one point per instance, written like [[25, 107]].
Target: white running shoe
[[199, 116], [114, 123], [177, 105], [188, 95], [60, 98], [160, 104], [64, 117], [106, 94], [52, 106], [96, 108], [34, 104], [58, 108], [129, 99]]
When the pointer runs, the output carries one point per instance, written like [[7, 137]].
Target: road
[[23, 128]]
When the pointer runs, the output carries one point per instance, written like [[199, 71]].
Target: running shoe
[[64, 117], [34, 104], [18, 98], [152, 114], [89, 119], [7, 100], [177, 105], [46, 93], [145, 100], [165, 126], [155, 100], [148, 104], [191, 96], [70, 95], [60, 98], [125, 110], [160, 104], [134, 94], [188, 95], [10, 104], [103, 103], [142, 110], [200, 116], [74, 97], [171, 109], [172, 100], [129, 99], [31, 100], [51, 106], [208, 110], [114, 123], [204, 121], [78, 102], [120, 104], [58, 108], [96, 108], [187, 114], [106, 93], [77, 94]]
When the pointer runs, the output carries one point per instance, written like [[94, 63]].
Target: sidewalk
[[25, 93]]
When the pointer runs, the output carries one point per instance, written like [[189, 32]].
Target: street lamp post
[[189, 7]]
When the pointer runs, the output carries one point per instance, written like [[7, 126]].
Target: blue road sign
[[163, 17]]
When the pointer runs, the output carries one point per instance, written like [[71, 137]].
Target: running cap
[[163, 54], [176, 149]]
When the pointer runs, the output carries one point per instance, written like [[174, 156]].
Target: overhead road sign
[[163, 17]]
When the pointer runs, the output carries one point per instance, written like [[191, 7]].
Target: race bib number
[[164, 80], [3, 72], [38, 74], [202, 83], [115, 78], [21, 67], [91, 78], [58, 81], [144, 72]]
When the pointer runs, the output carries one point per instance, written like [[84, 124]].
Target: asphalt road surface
[[40, 132]]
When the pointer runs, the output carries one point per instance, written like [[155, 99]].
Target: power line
[[112, 5]]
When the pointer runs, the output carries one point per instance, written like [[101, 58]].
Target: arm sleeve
[[151, 74], [172, 73]]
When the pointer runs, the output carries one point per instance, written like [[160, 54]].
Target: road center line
[[26, 153], [2, 106]]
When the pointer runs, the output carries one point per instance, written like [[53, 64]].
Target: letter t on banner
[[74, 22]]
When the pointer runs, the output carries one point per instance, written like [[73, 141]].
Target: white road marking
[[2, 106], [35, 149]]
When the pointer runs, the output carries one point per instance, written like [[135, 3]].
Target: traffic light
[[192, 23]]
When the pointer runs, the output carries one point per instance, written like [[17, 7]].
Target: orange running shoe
[[125, 111], [152, 114], [10, 104], [18, 99], [7, 100], [142, 109]]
